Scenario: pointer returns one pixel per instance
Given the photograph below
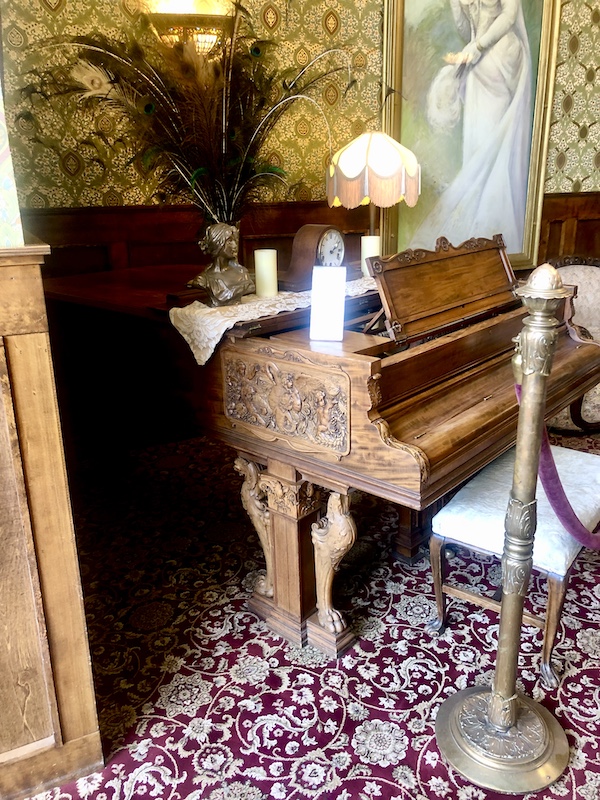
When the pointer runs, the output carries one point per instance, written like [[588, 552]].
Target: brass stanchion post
[[495, 737]]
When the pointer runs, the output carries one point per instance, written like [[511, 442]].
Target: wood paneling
[[48, 725], [97, 239], [26, 696], [570, 226]]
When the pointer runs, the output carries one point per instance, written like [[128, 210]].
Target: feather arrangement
[[202, 120]]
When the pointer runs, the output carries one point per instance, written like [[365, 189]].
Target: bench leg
[[557, 588], [437, 557]]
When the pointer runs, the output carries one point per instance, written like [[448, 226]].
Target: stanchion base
[[531, 755]]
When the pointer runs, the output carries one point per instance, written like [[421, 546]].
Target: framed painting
[[11, 230], [468, 89]]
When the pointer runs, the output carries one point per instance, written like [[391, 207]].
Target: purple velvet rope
[[556, 495]]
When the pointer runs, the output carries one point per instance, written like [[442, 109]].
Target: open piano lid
[[425, 292]]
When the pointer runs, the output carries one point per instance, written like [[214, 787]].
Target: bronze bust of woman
[[225, 280]]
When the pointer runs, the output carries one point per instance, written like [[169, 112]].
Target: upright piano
[[405, 412]]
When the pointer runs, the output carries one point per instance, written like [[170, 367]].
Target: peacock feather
[[201, 120]]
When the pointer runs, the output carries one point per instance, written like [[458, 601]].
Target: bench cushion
[[475, 515]]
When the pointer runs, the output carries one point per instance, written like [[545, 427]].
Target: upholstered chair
[[584, 415], [474, 519]]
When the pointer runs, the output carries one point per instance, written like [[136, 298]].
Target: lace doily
[[203, 327]]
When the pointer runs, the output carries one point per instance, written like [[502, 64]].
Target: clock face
[[330, 248]]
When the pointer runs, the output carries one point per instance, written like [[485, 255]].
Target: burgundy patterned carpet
[[198, 700]]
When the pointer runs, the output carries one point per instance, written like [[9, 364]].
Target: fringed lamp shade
[[374, 168]]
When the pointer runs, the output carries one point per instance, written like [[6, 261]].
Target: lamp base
[[531, 755]]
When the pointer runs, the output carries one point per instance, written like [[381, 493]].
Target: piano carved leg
[[293, 506], [255, 505], [332, 538]]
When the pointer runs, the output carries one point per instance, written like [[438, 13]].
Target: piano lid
[[424, 292]]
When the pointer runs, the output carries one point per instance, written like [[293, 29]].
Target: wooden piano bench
[[474, 519]]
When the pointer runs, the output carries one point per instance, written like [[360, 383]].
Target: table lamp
[[374, 169]]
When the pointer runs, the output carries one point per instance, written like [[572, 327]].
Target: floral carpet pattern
[[197, 699]]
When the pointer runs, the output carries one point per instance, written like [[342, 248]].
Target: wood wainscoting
[[570, 226], [97, 239]]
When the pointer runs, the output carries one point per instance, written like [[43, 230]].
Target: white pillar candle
[[369, 246], [265, 272], [327, 304]]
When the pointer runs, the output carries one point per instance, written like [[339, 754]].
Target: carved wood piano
[[406, 414]]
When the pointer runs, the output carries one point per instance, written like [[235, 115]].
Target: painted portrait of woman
[[471, 118]]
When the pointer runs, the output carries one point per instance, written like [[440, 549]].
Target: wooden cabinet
[[48, 724]]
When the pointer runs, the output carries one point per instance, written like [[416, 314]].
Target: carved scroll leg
[[332, 538], [256, 506]]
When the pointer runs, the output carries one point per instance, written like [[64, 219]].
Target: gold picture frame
[[410, 58]]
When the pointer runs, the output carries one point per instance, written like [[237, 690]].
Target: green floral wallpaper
[[574, 145], [62, 173]]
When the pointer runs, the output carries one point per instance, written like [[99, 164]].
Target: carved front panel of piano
[[285, 395]]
